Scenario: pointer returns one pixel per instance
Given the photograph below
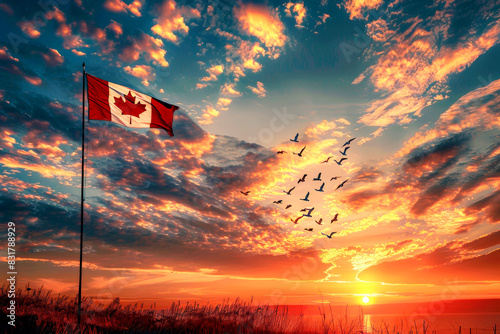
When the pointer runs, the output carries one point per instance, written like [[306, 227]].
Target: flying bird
[[300, 153], [308, 229], [305, 198], [245, 193], [278, 202], [348, 142], [326, 161], [342, 184], [303, 179], [296, 221], [319, 221], [288, 206], [340, 162], [280, 152], [334, 219], [329, 236], [334, 178], [309, 213], [295, 139], [318, 178], [320, 188], [345, 150], [289, 192]]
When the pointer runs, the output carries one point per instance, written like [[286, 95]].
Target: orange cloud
[[5, 55], [34, 80], [142, 71], [319, 129], [414, 73], [118, 6], [299, 10], [29, 29], [355, 8], [263, 23], [53, 57], [229, 90], [260, 91], [151, 47], [78, 53], [64, 30], [171, 20], [116, 28], [223, 103], [213, 72], [209, 113], [44, 170]]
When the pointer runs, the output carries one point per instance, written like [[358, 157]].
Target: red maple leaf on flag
[[128, 107]]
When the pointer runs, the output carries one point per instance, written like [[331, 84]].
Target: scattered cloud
[[299, 10], [260, 91], [171, 20], [209, 113], [229, 90], [118, 6], [151, 47], [213, 73], [263, 23]]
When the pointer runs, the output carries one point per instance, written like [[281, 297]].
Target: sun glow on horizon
[[366, 300]]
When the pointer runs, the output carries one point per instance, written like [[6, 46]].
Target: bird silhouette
[[329, 236], [320, 188], [340, 162], [349, 141], [305, 198], [319, 221], [28, 288], [308, 229], [288, 206], [345, 150], [289, 192], [309, 213], [342, 184], [296, 221], [303, 179], [300, 153], [318, 178], [245, 193], [334, 178], [295, 139], [280, 152], [278, 202], [334, 219], [326, 161]]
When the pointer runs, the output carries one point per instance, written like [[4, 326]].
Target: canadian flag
[[125, 106]]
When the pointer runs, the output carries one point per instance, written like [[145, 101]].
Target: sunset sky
[[416, 83]]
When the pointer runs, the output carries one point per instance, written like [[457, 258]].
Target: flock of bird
[[307, 212]]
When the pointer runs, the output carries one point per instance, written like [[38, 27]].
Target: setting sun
[[366, 300]]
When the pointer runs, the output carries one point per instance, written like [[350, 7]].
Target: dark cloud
[[436, 267], [483, 242]]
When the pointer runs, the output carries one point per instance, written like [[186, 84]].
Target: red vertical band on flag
[[162, 115], [98, 93]]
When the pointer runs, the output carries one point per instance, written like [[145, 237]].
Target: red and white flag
[[125, 106]]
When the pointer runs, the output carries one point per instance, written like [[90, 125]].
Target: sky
[[415, 83]]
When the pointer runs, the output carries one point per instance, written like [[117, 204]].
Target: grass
[[39, 312]]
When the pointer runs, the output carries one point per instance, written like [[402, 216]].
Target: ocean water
[[441, 323], [466, 323]]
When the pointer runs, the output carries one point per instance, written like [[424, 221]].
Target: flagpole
[[81, 198]]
